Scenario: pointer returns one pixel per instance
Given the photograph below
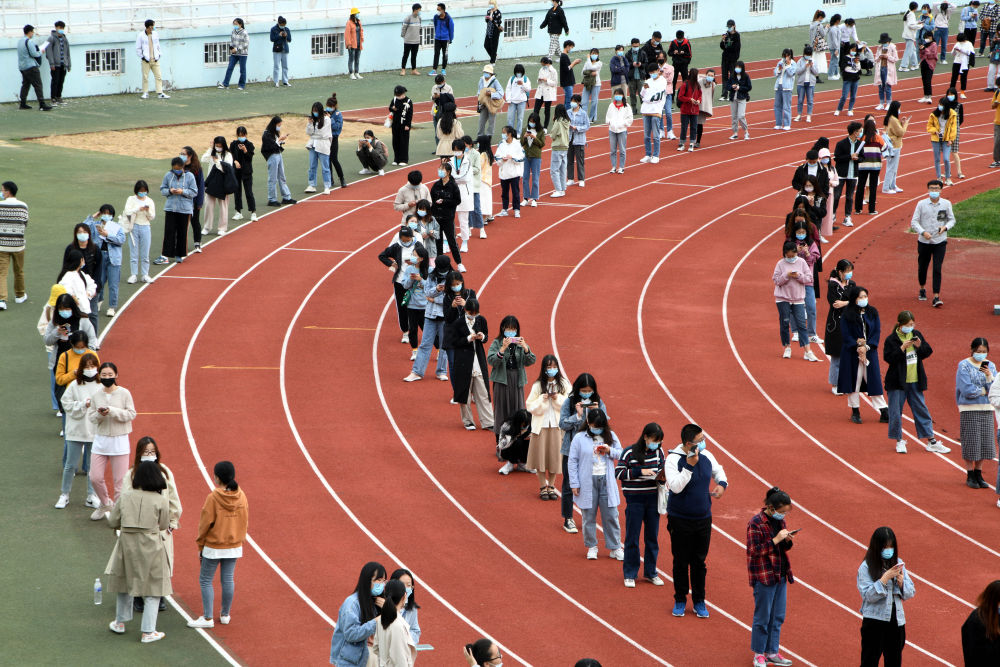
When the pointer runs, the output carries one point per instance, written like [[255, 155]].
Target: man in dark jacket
[[846, 155], [652, 49], [730, 46], [680, 57], [280, 37], [444, 34], [57, 53], [636, 73], [811, 167]]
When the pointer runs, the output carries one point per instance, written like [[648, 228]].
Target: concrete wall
[[185, 27]]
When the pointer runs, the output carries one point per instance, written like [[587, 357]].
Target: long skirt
[[507, 399], [544, 450], [977, 435]]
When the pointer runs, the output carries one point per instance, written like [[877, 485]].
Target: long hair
[[320, 117], [851, 312], [651, 430], [411, 602], [364, 589], [71, 263], [64, 301], [88, 359], [987, 604], [81, 226], [882, 537], [893, 112], [486, 148], [219, 141], [193, 164], [394, 593], [776, 498], [446, 113], [870, 131], [272, 126], [508, 321], [543, 378], [140, 447], [559, 113], [147, 477], [598, 419], [425, 259], [842, 266], [583, 380]]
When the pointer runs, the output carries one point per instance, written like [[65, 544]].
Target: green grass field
[[50, 558], [977, 217]]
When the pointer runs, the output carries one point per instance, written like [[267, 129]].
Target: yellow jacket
[[950, 127]]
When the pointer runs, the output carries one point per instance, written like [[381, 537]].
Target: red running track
[[281, 354]]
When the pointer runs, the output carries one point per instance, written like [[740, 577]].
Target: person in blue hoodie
[[280, 37], [357, 618], [689, 472], [579, 123], [444, 34]]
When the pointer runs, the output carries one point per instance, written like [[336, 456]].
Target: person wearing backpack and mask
[[640, 470]]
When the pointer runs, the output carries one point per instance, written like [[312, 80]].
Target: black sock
[[855, 412]]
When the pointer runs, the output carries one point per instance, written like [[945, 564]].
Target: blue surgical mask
[[551, 372], [406, 244], [907, 329], [277, 129], [848, 275], [440, 173], [61, 32], [242, 140], [738, 69], [934, 194], [940, 107], [177, 172], [329, 109], [700, 445], [619, 53], [106, 218], [951, 98], [800, 236], [979, 356], [531, 124], [456, 288], [596, 431], [618, 98], [652, 446], [65, 314], [79, 350], [791, 260], [825, 160], [888, 553], [510, 333], [654, 75], [586, 394], [409, 592], [863, 302], [573, 105], [82, 237], [421, 213], [778, 516], [141, 195], [412, 225], [378, 588], [593, 57], [315, 114]]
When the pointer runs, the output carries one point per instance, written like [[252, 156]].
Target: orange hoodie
[[224, 518]]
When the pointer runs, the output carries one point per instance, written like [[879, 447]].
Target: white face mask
[[148, 457], [89, 372]]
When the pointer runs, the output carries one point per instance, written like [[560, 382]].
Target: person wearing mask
[[942, 18], [640, 470], [730, 45], [508, 356], [78, 344], [886, 57], [336, 126], [512, 445], [838, 287], [545, 400], [861, 330], [437, 90], [447, 128], [354, 39], [895, 129], [869, 167], [272, 145], [58, 54], [217, 163], [579, 123], [811, 167], [66, 320], [791, 275], [688, 469], [567, 78], [884, 584], [911, 24], [490, 101], [147, 47], [962, 53], [638, 58], [192, 164], [393, 645], [619, 119], [560, 151], [445, 198], [410, 34], [411, 193], [593, 454], [827, 224], [413, 273], [806, 237], [973, 381], [988, 22], [706, 82], [401, 111], [399, 256], [932, 218], [689, 96], [434, 286], [516, 94], [533, 143], [680, 53], [833, 33], [850, 65], [410, 609], [140, 211], [484, 195], [768, 542], [652, 93], [243, 151], [572, 419], [619, 66], [739, 87], [112, 411], [928, 61], [556, 24], [592, 84], [959, 110], [462, 173], [280, 37], [981, 630], [444, 35], [510, 155], [846, 156], [239, 45], [545, 93], [81, 262], [112, 238], [818, 42], [79, 431], [29, 59], [904, 351], [784, 85], [372, 154], [14, 218], [140, 563], [667, 74], [464, 339], [806, 77], [318, 129], [357, 618], [494, 26]]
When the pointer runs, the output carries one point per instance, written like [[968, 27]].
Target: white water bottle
[[98, 591]]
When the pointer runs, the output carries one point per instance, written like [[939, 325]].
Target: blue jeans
[[589, 102], [910, 59], [433, 330], [921, 416], [811, 310], [768, 615], [138, 249], [891, 168], [668, 112], [476, 214], [782, 107], [806, 91], [242, 60], [557, 171], [618, 140], [834, 375], [532, 172], [353, 60], [787, 310], [515, 115], [641, 514], [848, 87], [941, 38], [112, 276], [276, 178], [652, 128], [884, 89], [834, 63], [942, 149], [280, 60], [205, 577], [567, 93], [324, 163], [74, 452], [609, 516]]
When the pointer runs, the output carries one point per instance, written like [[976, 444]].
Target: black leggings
[[871, 177], [411, 51], [404, 319], [548, 106], [955, 76], [334, 162], [195, 225], [491, 45], [926, 252], [925, 76], [416, 317], [243, 184], [441, 53], [448, 229]]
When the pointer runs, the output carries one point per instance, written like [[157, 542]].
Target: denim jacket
[[876, 600], [349, 646], [418, 300], [435, 299], [578, 119], [112, 243], [571, 424]]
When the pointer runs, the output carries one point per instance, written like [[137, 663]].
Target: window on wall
[[833, 2], [327, 45], [426, 36], [603, 19], [684, 12], [216, 53], [517, 28], [761, 6], [104, 61]]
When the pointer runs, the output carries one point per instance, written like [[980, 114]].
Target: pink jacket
[[792, 290], [890, 75]]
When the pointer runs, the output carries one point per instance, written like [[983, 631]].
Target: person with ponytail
[[409, 610], [861, 330], [768, 542], [837, 289], [640, 469], [483, 652], [981, 630], [79, 430], [393, 646], [221, 532], [592, 457], [357, 618], [883, 583]]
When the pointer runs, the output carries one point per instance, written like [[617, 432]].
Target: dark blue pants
[[641, 514]]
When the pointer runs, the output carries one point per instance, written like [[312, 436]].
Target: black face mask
[[108, 382]]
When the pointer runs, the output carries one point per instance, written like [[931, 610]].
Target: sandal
[[543, 492], [552, 493]]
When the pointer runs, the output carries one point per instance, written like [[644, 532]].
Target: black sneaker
[[884, 416], [45, 107], [937, 303], [287, 201], [569, 526], [24, 106], [273, 203], [856, 419], [923, 295]]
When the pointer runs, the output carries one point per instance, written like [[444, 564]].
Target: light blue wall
[[182, 62]]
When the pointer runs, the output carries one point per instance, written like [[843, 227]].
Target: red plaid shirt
[[767, 563]]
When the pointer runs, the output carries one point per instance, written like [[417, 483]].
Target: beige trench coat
[[139, 564]]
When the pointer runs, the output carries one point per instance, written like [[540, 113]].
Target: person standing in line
[[859, 372], [411, 193], [806, 77], [928, 61], [952, 97], [995, 105], [393, 645], [445, 198], [401, 110], [13, 224], [884, 584], [280, 37], [619, 66], [739, 94], [640, 469], [973, 381], [354, 38], [667, 119], [58, 55], [140, 211], [619, 119], [593, 454], [29, 59], [962, 53], [508, 357], [336, 127], [791, 276], [180, 189], [464, 337], [850, 65], [409, 611], [846, 156], [895, 129], [272, 145], [79, 431], [484, 196], [399, 258], [560, 151], [517, 92], [706, 82], [768, 542], [545, 93], [112, 411], [911, 24], [833, 40], [434, 287], [567, 78], [112, 238], [147, 47], [981, 630], [239, 45], [494, 26], [243, 150], [572, 420], [730, 45], [819, 43], [838, 287], [904, 351], [140, 563], [932, 218], [827, 226], [637, 61], [688, 471], [192, 164], [222, 529], [652, 93], [357, 618], [437, 90], [942, 18], [532, 143], [462, 167], [689, 100], [217, 163], [886, 57], [318, 145], [869, 167], [490, 97], [444, 35], [680, 52], [545, 400], [77, 282], [592, 84], [555, 21], [806, 237], [579, 124], [411, 39], [989, 19]]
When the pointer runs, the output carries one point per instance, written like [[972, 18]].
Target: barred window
[[761, 7], [327, 45], [216, 53], [684, 12], [603, 19], [104, 61], [833, 2], [517, 28], [426, 36]]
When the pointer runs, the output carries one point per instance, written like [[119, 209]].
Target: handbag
[[661, 498], [229, 182], [589, 78]]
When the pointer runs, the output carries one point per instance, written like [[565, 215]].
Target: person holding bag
[[220, 182], [320, 137]]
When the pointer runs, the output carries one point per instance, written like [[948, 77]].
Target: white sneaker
[[353, 76], [201, 622], [533, 203], [110, 312], [592, 553], [617, 554], [62, 502], [163, 96], [746, 135], [556, 194], [735, 135], [413, 355], [901, 446], [580, 183], [326, 191], [835, 77], [569, 183], [897, 191], [836, 112], [621, 170], [809, 119], [237, 216], [147, 279], [777, 127], [472, 427], [93, 501], [310, 188], [878, 107], [405, 338], [630, 583], [935, 446], [823, 239], [482, 233], [507, 467], [504, 214], [465, 246], [412, 377], [656, 581], [144, 96], [132, 279], [848, 222], [220, 232], [787, 354], [644, 159], [670, 135], [787, 127], [690, 148], [796, 119], [680, 148], [809, 356], [524, 202], [366, 171], [654, 160], [795, 336], [517, 212], [253, 217], [461, 268], [850, 113], [815, 339], [381, 172], [99, 513]]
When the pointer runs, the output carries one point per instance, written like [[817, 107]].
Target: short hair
[[405, 231], [680, 34], [440, 5], [651, 67], [177, 162], [576, 98], [399, 90], [689, 432], [10, 186], [28, 28], [635, 40], [149, 23], [657, 35], [414, 177], [140, 185], [60, 24], [853, 127], [935, 182], [240, 21], [416, 7], [439, 79], [107, 208], [570, 43], [241, 131], [812, 155]]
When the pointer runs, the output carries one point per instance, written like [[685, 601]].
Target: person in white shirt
[[147, 47], [961, 53], [619, 120], [545, 400], [140, 211], [518, 89], [545, 93], [215, 196], [931, 220], [911, 23], [320, 134], [510, 156], [942, 17], [393, 645], [806, 75], [653, 91], [590, 95]]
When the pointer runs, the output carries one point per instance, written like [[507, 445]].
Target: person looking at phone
[[582, 397], [932, 218], [508, 356], [545, 400], [790, 277], [973, 382], [434, 286], [640, 469], [592, 457], [112, 411], [768, 542], [861, 330], [464, 338], [883, 583], [688, 472]]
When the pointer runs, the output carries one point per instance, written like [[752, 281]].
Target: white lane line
[[193, 278], [322, 249]]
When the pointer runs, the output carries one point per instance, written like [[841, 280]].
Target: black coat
[[451, 313], [799, 180], [269, 145], [245, 159], [977, 650], [833, 338], [680, 53], [402, 112], [555, 21], [856, 325], [450, 197], [395, 253], [743, 81], [215, 184], [895, 358], [456, 338], [842, 155], [730, 45]]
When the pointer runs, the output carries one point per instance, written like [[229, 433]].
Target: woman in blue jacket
[[859, 355], [571, 420], [357, 618], [973, 381], [883, 583], [592, 458]]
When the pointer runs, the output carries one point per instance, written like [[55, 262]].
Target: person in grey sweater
[[180, 189], [411, 40], [931, 221], [29, 57], [57, 53]]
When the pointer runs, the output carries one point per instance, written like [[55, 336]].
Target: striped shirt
[[629, 471], [13, 222]]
